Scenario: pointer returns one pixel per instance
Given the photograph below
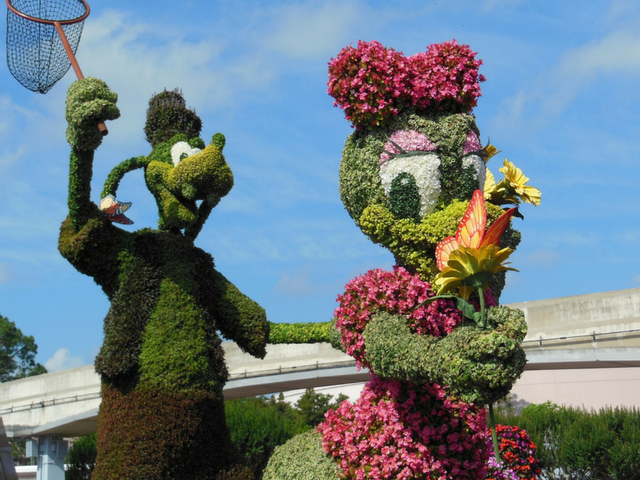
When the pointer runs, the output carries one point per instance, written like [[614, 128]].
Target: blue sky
[[561, 101]]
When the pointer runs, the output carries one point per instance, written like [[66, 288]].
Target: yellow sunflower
[[469, 269], [488, 152], [516, 185], [489, 185]]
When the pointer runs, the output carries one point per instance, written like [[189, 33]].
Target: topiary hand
[[89, 102], [476, 365]]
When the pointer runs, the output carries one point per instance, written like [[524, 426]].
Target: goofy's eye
[[412, 184], [182, 150]]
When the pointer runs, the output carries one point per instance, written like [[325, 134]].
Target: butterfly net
[[35, 53]]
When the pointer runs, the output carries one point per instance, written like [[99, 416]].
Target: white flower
[[426, 172], [182, 150], [478, 164]]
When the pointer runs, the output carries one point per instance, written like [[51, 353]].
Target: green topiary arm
[[79, 199], [204, 210], [112, 182], [238, 317], [89, 101], [478, 366]]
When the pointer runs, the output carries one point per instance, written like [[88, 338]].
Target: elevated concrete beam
[[588, 331]]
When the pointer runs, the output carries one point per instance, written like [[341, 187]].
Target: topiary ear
[[168, 115]]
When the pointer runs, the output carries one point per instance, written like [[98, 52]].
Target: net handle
[[102, 128]]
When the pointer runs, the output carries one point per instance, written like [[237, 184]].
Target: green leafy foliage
[[302, 458], [574, 444], [17, 353], [81, 458]]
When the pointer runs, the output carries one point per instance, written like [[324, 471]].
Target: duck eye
[[473, 174], [182, 150], [412, 184], [404, 197]]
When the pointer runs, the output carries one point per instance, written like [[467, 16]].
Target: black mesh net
[[35, 53]]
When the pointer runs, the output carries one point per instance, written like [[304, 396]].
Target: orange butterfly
[[114, 210], [471, 230]]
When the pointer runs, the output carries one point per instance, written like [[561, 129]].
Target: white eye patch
[[425, 171], [478, 164], [182, 150]]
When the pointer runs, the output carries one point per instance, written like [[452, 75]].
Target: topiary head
[[168, 115], [187, 180], [415, 158]]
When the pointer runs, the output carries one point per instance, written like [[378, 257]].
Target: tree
[[312, 406], [258, 425], [17, 353], [81, 458]]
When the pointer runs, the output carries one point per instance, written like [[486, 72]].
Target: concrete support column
[[52, 450]]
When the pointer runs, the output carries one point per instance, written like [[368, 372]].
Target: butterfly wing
[[492, 237], [120, 218], [443, 250], [114, 210], [122, 207], [471, 228]]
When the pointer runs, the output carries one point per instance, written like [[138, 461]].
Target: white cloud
[[296, 284], [63, 360], [544, 258], [5, 276], [314, 30], [554, 89]]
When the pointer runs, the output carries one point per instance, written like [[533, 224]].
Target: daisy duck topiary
[[413, 177], [161, 364]]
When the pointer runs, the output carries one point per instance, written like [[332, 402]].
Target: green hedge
[[576, 444], [300, 332]]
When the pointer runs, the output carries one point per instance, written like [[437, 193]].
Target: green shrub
[[258, 425], [574, 444], [301, 458], [81, 458]]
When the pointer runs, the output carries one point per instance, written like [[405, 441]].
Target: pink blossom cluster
[[372, 82], [368, 82], [398, 430], [499, 471], [472, 143], [446, 72], [407, 140], [398, 292]]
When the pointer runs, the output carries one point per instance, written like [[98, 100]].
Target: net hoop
[[52, 22]]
